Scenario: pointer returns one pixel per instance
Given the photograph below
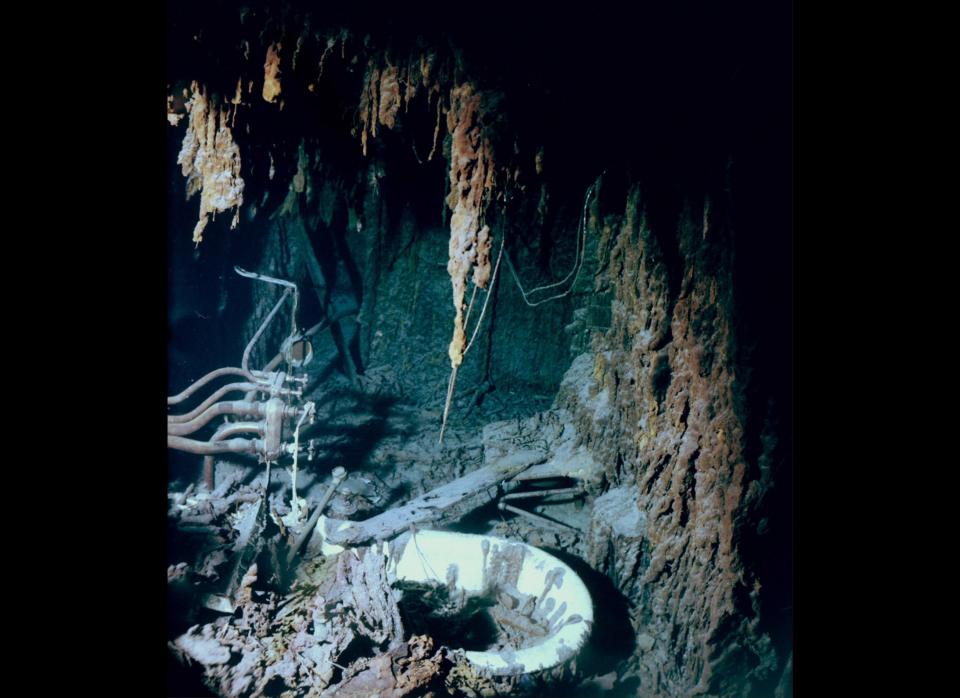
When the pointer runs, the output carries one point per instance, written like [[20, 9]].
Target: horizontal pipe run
[[198, 410], [225, 431], [251, 446], [236, 407], [213, 375], [228, 431], [533, 477], [503, 506], [543, 493]]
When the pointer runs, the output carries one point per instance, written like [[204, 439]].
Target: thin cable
[[466, 318], [427, 567], [446, 405], [453, 373], [577, 266], [483, 310]]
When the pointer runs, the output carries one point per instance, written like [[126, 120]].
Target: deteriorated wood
[[360, 591], [400, 672], [293, 645], [445, 504], [248, 545]]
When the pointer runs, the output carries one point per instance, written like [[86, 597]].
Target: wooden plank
[[443, 505]]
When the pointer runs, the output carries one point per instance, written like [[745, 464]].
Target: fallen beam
[[443, 505]]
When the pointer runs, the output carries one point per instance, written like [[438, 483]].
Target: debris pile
[[340, 633]]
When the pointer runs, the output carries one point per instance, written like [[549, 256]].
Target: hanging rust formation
[[211, 161]]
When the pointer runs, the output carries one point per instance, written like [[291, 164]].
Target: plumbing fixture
[[542, 593], [258, 424]]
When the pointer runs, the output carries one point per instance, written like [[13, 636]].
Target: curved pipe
[[230, 430], [276, 360], [280, 282], [236, 407], [198, 410], [193, 387], [251, 446], [244, 367], [244, 363], [224, 431]]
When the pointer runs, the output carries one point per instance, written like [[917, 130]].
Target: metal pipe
[[251, 446], [236, 407], [279, 282], [198, 410], [263, 277], [244, 364], [531, 477], [503, 506], [543, 493], [278, 359], [312, 331], [240, 428], [193, 387], [339, 474], [222, 432], [244, 369], [209, 471]]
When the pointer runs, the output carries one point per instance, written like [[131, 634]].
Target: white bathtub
[[483, 565]]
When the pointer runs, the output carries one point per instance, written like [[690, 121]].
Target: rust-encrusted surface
[[657, 403]]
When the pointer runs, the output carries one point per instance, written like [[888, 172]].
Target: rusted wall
[[658, 400]]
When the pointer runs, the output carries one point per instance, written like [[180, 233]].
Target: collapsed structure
[[573, 483]]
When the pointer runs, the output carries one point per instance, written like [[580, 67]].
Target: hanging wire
[[575, 272], [483, 310], [424, 563], [577, 264]]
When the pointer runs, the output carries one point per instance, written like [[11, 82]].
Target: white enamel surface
[[427, 557]]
